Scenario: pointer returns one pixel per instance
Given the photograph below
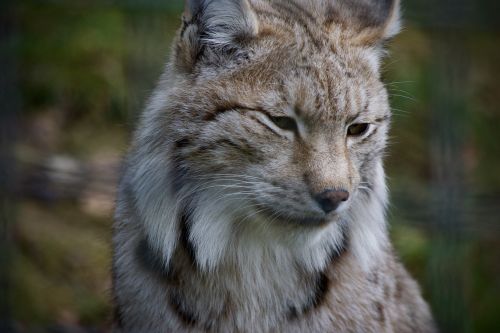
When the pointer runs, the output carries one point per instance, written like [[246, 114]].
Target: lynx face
[[278, 145], [287, 125]]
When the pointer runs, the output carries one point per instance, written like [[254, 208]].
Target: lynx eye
[[358, 129], [285, 123]]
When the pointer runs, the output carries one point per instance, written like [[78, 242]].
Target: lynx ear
[[219, 27], [372, 21]]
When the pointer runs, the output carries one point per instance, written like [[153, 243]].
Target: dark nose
[[329, 200]]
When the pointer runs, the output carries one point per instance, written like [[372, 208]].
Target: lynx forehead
[[253, 196]]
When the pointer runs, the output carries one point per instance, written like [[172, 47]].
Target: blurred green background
[[75, 74]]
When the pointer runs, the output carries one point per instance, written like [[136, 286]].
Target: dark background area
[[74, 76]]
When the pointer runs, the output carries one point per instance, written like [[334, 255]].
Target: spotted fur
[[217, 226]]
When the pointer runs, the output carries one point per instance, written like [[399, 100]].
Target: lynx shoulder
[[253, 195]]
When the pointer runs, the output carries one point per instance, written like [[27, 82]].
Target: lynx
[[253, 195]]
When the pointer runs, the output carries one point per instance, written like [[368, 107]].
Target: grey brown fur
[[264, 106]]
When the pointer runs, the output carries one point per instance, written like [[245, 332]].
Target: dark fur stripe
[[185, 242], [179, 171], [221, 142], [187, 318], [212, 115], [181, 143], [321, 287], [322, 282], [117, 317], [151, 260], [379, 309]]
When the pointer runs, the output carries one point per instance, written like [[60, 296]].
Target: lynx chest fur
[[253, 194]]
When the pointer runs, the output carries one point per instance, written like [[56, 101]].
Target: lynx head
[[271, 117]]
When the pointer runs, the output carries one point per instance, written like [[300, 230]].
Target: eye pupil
[[357, 129], [286, 123]]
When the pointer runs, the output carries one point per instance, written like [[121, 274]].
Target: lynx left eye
[[358, 129], [285, 123]]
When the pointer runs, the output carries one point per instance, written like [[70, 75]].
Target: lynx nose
[[329, 200]]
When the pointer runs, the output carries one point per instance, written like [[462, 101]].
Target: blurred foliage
[[61, 266], [86, 69]]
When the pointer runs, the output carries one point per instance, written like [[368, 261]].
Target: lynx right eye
[[358, 129], [285, 123]]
